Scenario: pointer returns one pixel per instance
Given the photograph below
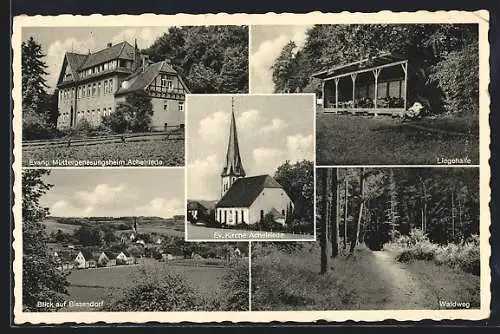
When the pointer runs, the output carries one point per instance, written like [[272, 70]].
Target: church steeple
[[233, 169]]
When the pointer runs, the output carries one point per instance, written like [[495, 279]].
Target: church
[[92, 85], [247, 199]]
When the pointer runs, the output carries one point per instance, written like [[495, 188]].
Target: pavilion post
[[405, 69], [323, 93], [376, 73], [353, 78], [336, 94]]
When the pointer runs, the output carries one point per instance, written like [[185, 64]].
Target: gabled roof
[[245, 190], [141, 79], [121, 50]]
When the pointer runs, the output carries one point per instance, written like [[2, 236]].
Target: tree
[[355, 236], [41, 280], [33, 69], [89, 236], [132, 115], [298, 181], [210, 59], [335, 214], [325, 211]]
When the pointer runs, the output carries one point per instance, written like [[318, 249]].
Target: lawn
[[169, 152], [355, 140], [109, 283]]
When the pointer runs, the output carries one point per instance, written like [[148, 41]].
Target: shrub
[[157, 292], [83, 127], [235, 286], [36, 126]]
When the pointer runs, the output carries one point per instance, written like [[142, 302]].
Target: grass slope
[[171, 152], [365, 281]]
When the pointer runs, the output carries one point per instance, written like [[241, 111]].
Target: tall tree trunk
[[335, 214], [323, 238], [345, 211], [452, 216], [354, 240]]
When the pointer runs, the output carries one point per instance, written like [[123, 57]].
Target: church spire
[[233, 166]]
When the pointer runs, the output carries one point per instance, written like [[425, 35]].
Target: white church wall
[[268, 198]]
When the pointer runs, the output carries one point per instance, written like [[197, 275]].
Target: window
[[105, 86], [111, 85], [261, 215], [94, 89], [181, 106], [236, 216], [99, 88], [165, 105], [163, 81], [283, 212], [105, 66], [88, 90]]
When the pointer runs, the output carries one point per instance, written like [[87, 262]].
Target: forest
[[437, 56], [376, 206]]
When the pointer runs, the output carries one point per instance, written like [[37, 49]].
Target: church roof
[[233, 166], [195, 205], [245, 190]]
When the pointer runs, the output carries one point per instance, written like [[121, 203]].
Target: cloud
[[274, 127], [300, 147], [263, 58], [65, 209], [103, 194], [214, 128], [248, 119], [56, 51], [161, 207], [201, 183], [268, 159], [145, 36]]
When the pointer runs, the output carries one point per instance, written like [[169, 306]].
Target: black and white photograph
[[387, 94], [250, 167], [111, 240], [115, 96], [388, 239]]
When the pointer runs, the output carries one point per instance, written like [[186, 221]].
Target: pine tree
[[33, 69]]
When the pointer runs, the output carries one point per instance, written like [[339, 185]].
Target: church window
[[181, 106], [165, 105], [242, 217], [225, 216], [261, 215], [236, 216], [283, 212]]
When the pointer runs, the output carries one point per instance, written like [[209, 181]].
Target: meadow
[[354, 140], [170, 152], [111, 283]]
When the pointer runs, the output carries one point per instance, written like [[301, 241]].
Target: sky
[[115, 192], [56, 41], [265, 46], [271, 129]]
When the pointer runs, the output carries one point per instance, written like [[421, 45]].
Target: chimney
[[109, 44]]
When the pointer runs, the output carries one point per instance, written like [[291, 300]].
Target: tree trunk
[[324, 221], [452, 217], [345, 212], [355, 237], [335, 214]]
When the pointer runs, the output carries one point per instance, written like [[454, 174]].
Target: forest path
[[402, 290]]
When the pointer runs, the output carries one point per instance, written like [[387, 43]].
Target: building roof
[[195, 205], [233, 165], [121, 50], [140, 79], [360, 65], [245, 190]]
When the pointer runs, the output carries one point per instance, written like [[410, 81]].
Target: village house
[[196, 210], [92, 85], [246, 200], [80, 261]]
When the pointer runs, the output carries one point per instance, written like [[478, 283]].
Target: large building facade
[[91, 86]]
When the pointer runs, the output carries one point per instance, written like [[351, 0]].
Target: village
[[121, 248]]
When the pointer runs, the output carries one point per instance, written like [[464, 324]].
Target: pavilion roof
[[366, 64]]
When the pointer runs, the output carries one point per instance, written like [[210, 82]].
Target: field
[[354, 140], [367, 280], [170, 152], [107, 284], [160, 226]]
